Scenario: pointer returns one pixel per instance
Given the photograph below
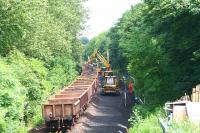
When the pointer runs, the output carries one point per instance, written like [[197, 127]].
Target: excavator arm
[[91, 58], [100, 57], [103, 60]]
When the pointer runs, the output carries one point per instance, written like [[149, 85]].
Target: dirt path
[[105, 114]]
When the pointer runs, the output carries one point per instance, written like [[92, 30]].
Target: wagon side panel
[[68, 111], [47, 111], [58, 111], [76, 108]]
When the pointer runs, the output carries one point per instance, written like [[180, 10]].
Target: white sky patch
[[104, 13]]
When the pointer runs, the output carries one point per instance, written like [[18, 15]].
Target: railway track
[[64, 108], [104, 114]]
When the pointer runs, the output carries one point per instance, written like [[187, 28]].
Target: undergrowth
[[25, 83], [144, 119]]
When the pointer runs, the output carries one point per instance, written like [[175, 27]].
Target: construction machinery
[[109, 82], [97, 54], [110, 85]]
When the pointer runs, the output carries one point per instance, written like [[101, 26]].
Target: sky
[[104, 13]]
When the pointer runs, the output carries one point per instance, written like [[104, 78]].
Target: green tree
[[39, 54]]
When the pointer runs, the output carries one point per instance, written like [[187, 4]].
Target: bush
[[184, 127], [33, 82], [144, 119], [148, 125], [2, 124]]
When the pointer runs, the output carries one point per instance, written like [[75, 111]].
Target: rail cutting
[[64, 108]]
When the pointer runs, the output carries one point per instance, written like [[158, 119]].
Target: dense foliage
[[160, 41], [100, 42], [157, 42], [39, 54]]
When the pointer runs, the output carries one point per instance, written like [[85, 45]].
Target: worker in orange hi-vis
[[130, 88], [132, 94]]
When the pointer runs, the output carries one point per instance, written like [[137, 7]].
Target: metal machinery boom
[[97, 54]]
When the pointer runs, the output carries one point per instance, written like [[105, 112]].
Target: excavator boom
[[100, 57], [91, 58]]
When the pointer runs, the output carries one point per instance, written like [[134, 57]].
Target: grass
[[145, 120], [184, 127], [147, 125]]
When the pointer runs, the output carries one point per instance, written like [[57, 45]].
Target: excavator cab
[[104, 72], [108, 73]]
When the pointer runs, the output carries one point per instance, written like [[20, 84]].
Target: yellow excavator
[[110, 82], [105, 62]]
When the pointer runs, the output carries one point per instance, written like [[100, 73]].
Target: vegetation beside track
[[39, 54], [157, 43]]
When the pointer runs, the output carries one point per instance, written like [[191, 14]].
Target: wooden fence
[[196, 94]]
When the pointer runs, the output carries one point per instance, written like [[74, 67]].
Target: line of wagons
[[64, 108]]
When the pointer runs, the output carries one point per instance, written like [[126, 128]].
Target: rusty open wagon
[[63, 108]]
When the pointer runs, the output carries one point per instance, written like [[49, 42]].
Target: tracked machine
[[109, 82]]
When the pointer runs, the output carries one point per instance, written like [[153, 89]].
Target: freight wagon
[[64, 108]]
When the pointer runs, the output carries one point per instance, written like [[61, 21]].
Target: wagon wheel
[[64, 129], [53, 129]]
